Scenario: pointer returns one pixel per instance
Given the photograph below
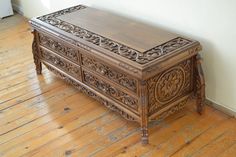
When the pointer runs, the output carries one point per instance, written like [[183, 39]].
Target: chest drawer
[[109, 72], [59, 47], [110, 90], [61, 63]]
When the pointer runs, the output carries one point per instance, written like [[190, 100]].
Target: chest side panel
[[170, 85]]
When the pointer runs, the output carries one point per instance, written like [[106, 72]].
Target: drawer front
[[110, 73], [59, 47], [110, 90], [61, 63]]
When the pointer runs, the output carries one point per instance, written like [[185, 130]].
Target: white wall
[[212, 22]]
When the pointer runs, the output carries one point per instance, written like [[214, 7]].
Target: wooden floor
[[41, 116]]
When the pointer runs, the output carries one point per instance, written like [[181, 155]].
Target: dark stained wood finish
[[119, 29], [143, 73], [42, 116]]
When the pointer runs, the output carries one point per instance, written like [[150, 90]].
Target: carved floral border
[[108, 44]]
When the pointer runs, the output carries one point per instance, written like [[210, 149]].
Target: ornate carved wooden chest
[[142, 72]]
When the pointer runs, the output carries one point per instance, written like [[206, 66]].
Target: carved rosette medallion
[[110, 45], [170, 85]]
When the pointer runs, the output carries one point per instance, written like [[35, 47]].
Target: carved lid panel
[[130, 41]]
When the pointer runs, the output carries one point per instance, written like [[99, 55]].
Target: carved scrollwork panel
[[110, 45], [199, 85], [169, 85], [59, 48], [92, 94], [110, 73], [179, 106], [36, 57], [57, 61], [111, 91]]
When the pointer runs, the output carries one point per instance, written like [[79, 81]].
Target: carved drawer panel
[[110, 73], [111, 91], [58, 47], [92, 94], [63, 64], [170, 85]]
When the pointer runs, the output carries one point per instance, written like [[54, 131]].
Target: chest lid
[[130, 41]]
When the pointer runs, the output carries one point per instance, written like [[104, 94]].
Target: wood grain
[[152, 84], [43, 116]]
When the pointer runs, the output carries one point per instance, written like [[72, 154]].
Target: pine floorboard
[[42, 116]]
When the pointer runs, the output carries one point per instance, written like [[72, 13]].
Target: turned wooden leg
[[144, 134], [144, 113], [36, 57], [200, 85]]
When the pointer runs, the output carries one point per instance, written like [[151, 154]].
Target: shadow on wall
[[212, 56], [208, 67], [214, 65]]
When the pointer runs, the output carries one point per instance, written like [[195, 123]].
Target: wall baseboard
[[221, 108], [17, 9]]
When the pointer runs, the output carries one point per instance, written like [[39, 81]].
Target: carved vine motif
[[116, 109], [200, 85], [169, 85], [36, 57], [163, 49], [61, 63], [113, 46], [113, 75], [91, 94], [68, 52], [171, 110], [110, 90]]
